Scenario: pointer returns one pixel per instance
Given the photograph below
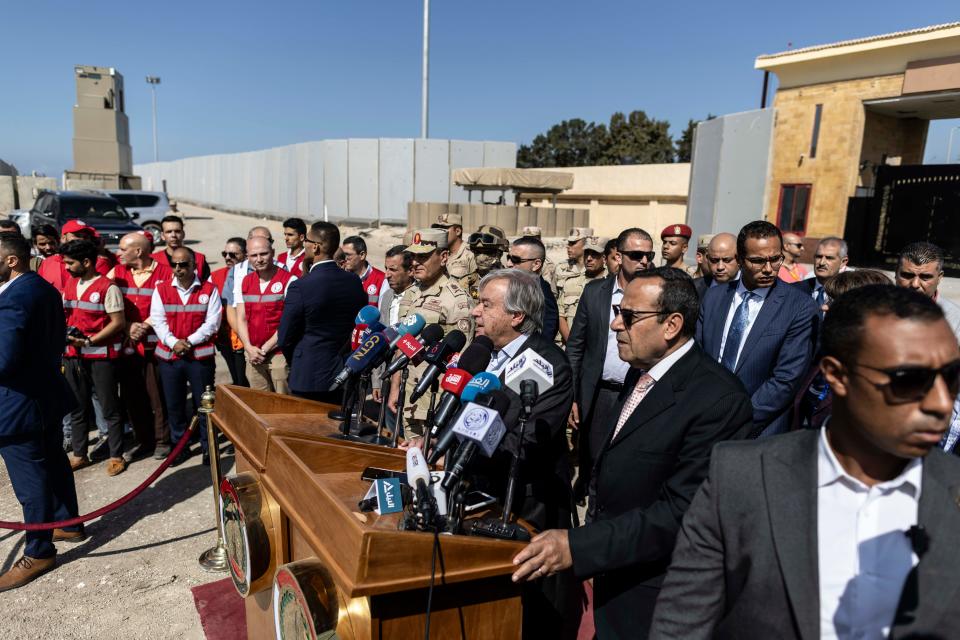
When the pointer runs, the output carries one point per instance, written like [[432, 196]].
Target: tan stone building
[[844, 109]]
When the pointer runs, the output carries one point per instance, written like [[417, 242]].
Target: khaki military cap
[[596, 244], [531, 232], [427, 240], [408, 237], [704, 240], [579, 233], [446, 220]]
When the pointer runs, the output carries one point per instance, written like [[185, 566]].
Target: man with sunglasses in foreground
[[598, 371], [677, 402], [528, 254], [761, 328], [847, 531]]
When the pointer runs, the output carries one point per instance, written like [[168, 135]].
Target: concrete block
[[29, 186], [8, 195]]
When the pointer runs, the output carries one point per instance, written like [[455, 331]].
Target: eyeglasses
[[758, 262], [794, 244], [638, 256], [309, 241], [518, 260], [727, 260], [181, 265], [909, 384], [632, 316], [230, 254]]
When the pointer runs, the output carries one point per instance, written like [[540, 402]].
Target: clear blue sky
[[249, 75]]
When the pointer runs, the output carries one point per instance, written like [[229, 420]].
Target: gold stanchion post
[[214, 558]]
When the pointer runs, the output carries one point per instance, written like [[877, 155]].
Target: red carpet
[[587, 631], [221, 610]]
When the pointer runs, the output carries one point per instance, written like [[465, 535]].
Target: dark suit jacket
[[702, 285], [587, 344], [776, 353], [645, 479], [317, 319], [33, 391], [551, 313], [745, 565]]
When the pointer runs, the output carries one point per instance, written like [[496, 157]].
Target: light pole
[[425, 89], [950, 144], [153, 81]]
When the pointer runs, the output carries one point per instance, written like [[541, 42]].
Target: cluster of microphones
[[467, 417]]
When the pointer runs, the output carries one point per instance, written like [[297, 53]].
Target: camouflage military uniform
[[572, 290], [462, 263], [549, 273], [444, 303], [565, 272]]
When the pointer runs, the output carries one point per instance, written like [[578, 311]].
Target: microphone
[[411, 325], [482, 383], [367, 356], [412, 349], [356, 336], [374, 327], [367, 315], [480, 428], [529, 365], [418, 477], [437, 357], [473, 360]]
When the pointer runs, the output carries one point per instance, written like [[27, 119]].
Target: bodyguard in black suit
[[774, 544], [34, 397], [676, 404], [598, 371], [318, 317]]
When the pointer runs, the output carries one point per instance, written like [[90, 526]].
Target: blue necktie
[[821, 295], [735, 334]]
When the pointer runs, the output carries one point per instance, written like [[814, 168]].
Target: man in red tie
[[676, 403]]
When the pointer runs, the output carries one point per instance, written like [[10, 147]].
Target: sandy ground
[[132, 577]]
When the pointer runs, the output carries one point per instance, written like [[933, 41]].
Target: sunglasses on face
[[638, 256], [518, 260], [180, 265], [758, 262], [228, 254], [909, 384], [632, 316]]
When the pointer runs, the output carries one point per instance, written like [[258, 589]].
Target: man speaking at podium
[[676, 403], [509, 311]]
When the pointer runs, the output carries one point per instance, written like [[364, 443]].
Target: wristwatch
[[87, 342]]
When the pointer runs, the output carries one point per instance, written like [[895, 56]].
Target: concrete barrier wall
[[552, 222], [359, 180]]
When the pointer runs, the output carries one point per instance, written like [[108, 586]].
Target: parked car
[[22, 218], [152, 206], [97, 210]]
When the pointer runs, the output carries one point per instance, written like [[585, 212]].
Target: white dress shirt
[[502, 356], [614, 369], [864, 555], [753, 310], [158, 317]]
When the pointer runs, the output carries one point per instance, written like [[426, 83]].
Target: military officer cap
[[530, 232], [488, 236], [579, 233], [408, 237], [704, 240], [427, 240], [447, 220], [680, 230], [595, 244]]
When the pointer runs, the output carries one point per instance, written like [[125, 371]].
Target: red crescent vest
[[372, 284], [184, 319], [54, 271], [297, 269], [263, 310], [88, 314], [137, 299]]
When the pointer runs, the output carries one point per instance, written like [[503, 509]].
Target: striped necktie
[[735, 333], [640, 390]]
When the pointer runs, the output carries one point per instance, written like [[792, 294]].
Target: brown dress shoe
[[77, 462], [116, 466], [59, 535], [26, 570]]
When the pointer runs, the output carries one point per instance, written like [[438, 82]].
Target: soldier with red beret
[[676, 238]]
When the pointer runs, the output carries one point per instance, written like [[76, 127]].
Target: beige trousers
[[269, 375]]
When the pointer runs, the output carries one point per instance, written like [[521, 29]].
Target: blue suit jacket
[[33, 391], [315, 327], [551, 312], [776, 353]]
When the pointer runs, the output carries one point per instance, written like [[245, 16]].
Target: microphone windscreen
[[455, 340], [499, 401], [412, 324], [368, 315], [416, 467], [476, 357], [431, 334], [483, 382], [367, 352]]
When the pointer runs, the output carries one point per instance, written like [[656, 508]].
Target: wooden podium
[[309, 562]]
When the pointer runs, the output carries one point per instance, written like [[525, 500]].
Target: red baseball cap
[[78, 226]]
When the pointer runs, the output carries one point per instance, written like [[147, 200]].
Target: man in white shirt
[[845, 532], [185, 314]]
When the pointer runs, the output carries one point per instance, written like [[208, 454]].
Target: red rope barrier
[[41, 526]]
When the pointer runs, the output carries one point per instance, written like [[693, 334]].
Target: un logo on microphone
[[475, 418]]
